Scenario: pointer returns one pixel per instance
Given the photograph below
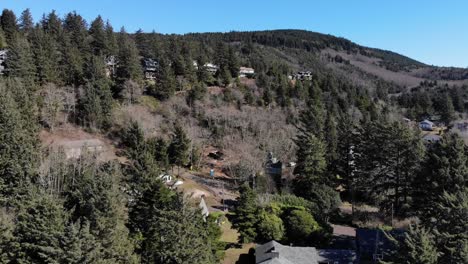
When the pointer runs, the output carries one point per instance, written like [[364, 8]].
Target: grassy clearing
[[230, 236]]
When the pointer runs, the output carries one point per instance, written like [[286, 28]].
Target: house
[[426, 125], [166, 178], [273, 166], [211, 68], [302, 75], [150, 68], [111, 65], [276, 253], [3, 58], [3, 55], [246, 72]]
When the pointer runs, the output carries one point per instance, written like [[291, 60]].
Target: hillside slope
[[305, 50]]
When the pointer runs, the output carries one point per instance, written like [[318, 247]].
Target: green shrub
[[300, 226], [270, 227]]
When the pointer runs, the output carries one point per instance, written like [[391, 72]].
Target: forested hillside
[[338, 120]]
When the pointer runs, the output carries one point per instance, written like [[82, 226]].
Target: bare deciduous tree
[[131, 92], [53, 107]]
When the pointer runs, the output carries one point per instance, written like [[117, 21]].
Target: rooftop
[[276, 253]]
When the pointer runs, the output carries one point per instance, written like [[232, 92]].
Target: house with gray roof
[[426, 125], [276, 253]]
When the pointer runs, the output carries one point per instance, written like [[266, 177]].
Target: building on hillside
[[276, 253], [3, 58], [302, 76], [211, 68], [150, 68], [111, 65], [426, 125], [273, 166], [281, 172], [246, 72], [166, 178]]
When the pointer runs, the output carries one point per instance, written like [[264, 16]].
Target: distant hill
[[295, 47]]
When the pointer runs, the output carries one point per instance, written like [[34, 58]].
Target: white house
[[426, 125], [166, 178], [211, 68], [246, 72]]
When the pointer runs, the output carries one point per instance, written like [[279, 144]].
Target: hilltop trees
[[18, 144], [98, 41], [26, 23], [129, 65], [20, 62], [45, 54], [9, 24]]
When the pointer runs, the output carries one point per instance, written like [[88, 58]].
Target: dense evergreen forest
[[353, 138]]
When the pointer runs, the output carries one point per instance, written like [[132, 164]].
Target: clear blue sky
[[432, 31]]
